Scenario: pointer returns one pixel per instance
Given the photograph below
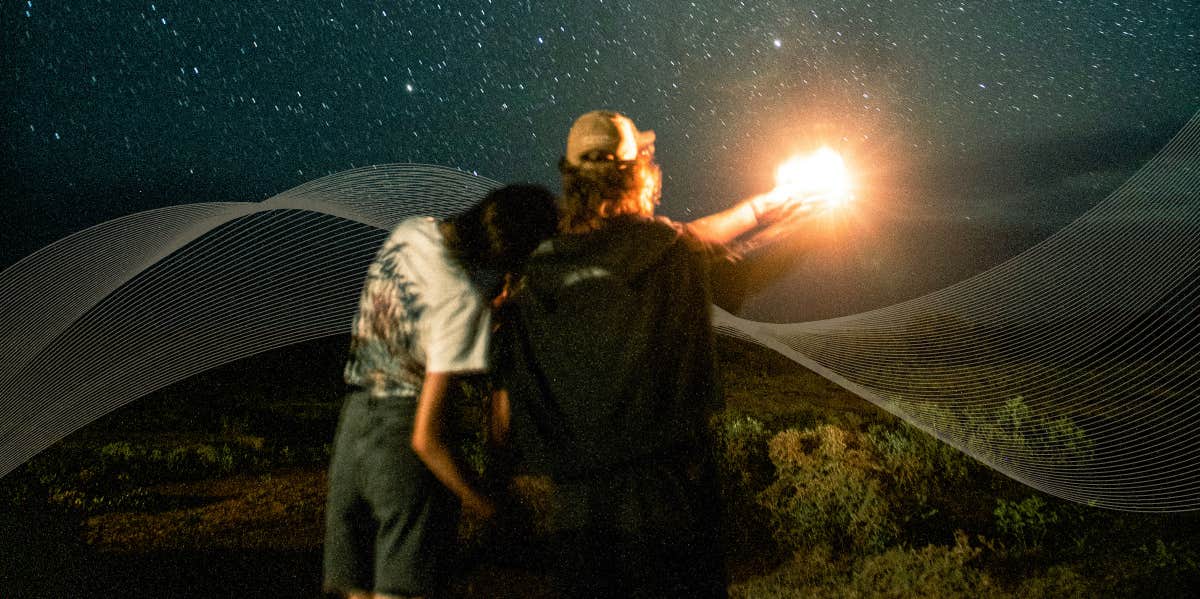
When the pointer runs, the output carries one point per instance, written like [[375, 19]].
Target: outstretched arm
[[429, 443], [727, 225]]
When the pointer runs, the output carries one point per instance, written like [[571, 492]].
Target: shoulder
[[666, 223], [659, 228], [415, 251], [418, 228], [686, 238], [417, 235]]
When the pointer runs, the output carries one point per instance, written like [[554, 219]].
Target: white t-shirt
[[418, 313]]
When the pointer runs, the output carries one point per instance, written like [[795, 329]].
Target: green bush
[[934, 571], [811, 572], [1068, 442], [916, 466], [1059, 582], [900, 572], [744, 470], [119, 452], [1009, 433], [1024, 524], [1172, 559], [825, 491], [741, 449]]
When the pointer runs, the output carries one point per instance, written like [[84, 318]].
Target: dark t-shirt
[[607, 349]]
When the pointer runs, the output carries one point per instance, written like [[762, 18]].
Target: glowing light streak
[[820, 178]]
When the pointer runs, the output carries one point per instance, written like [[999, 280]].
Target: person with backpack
[[608, 375]]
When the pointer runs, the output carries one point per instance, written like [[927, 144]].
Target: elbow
[[421, 443]]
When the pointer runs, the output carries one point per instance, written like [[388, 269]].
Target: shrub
[[824, 491], [744, 470], [1068, 441], [207, 456], [1024, 523], [741, 449], [916, 465], [1059, 582], [810, 572], [119, 452], [1009, 433], [1173, 560], [934, 571]]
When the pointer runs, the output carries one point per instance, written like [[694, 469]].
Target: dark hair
[[596, 190], [503, 228]]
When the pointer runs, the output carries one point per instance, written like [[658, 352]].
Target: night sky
[[955, 115]]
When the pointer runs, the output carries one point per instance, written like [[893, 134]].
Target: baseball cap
[[607, 132]]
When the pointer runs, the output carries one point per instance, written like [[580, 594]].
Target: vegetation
[[825, 494]]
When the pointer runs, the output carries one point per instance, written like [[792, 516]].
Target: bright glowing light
[[822, 176]]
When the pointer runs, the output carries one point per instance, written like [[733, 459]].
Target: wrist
[[479, 505], [763, 206], [755, 210]]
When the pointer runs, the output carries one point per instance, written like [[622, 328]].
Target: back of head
[[608, 170], [504, 227]]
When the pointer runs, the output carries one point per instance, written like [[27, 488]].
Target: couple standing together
[[601, 353]]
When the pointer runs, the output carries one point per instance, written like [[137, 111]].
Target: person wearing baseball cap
[[608, 373], [609, 169], [611, 133]]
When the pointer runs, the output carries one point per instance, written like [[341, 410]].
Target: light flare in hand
[[820, 177]]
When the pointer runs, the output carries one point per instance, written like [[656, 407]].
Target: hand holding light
[[819, 181], [806, 187]]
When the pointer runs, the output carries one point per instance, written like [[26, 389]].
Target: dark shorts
[[389, 524]]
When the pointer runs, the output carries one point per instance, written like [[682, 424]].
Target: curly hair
[[596, 190]]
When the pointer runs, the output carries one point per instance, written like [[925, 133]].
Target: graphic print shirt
[[418, 312]]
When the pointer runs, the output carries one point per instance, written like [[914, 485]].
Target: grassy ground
[[215, 487]]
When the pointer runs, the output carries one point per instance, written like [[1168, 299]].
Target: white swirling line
[[88, 321]]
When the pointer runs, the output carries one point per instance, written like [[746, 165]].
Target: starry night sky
[[1012, 114]]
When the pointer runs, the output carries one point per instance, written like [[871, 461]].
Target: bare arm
[[729, 224], [498, 422], [726, 225], [429, 443]]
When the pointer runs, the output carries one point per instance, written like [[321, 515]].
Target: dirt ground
[[242, 536]]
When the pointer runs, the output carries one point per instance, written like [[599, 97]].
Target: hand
[[479, 508], [765, 204], [779, 205]]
